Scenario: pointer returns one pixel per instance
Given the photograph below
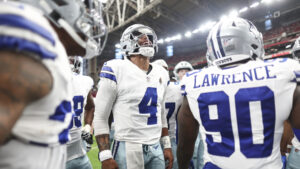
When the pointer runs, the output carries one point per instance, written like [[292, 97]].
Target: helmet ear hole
[[254, 46]]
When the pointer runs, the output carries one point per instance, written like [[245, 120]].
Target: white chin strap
[[145, 51]]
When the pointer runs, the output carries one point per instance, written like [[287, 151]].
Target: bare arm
[[188, 129], [295, 114], [89, 109], [23, 80], [103, 142]]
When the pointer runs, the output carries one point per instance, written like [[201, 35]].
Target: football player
[[133, 89], [173, 101], [240, 102], [179, 71], [81, 137], [293, 161], [36, 79]]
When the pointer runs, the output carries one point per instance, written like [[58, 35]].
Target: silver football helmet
[[139, 39], [182, 65], [296, 49], [81, 19], [233, 40]]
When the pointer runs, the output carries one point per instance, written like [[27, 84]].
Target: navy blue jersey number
[[148, 105], [171, 107], [78, 109], [223, 124]]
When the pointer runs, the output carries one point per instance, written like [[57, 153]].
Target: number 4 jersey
[[137, 103], [241, 110]]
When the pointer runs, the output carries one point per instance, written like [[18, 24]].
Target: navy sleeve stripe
[[183, 92], [9, 42], [21, 22], [297, 73], [108, 76], [297, 133], [107, 68]]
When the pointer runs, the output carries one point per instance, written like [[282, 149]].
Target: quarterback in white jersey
[[83, 104], [240, 103], [36, 88], [133, 89]]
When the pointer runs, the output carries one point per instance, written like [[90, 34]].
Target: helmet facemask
[[81, 19]]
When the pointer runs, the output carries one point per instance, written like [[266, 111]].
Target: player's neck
[[141, 61]]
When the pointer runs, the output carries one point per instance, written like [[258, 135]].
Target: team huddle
[[231, 114]]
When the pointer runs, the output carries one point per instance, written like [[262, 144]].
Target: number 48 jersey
[[81, 87], [241, 111], [24, 29], [137, 106]]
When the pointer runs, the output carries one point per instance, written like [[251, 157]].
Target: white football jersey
[[45, 121], [173, 101], [138, 106], [81, 87], [241, 111]]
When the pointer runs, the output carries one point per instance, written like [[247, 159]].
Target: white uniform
[[137, 101], [44, 122], [81, 87], [242, 110], [173, 101]]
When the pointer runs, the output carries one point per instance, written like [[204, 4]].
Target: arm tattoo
[[22, 81], [103, 142]]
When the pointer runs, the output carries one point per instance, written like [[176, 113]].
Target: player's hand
[[86, 135], [109, 164], [287, 136], [88, 147], [168, 158]]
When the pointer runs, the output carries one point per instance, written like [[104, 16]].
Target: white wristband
[[166, 142], [104, 155]]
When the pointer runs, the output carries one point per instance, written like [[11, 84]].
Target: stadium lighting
[[208, 25], [168, 39], [255, 4], [243, 10], [188, 34], [195, 31], [233, 14], [160, 41], [178, 37], [117, 45], [266, 1]]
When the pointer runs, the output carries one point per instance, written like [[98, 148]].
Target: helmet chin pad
[[147, 51]]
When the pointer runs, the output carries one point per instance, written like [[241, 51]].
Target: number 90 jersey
[[137, 108], [25, 29], [241, 110]]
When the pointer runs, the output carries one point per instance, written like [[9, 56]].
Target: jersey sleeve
[[107, 92], [24, 28], [183, 85], [293, 67], [109, 71]]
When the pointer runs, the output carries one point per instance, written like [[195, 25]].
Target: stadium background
[[182, 27]]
